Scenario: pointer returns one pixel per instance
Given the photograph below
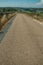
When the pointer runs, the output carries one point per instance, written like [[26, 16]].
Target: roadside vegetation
[[36, 13], [5, 15]]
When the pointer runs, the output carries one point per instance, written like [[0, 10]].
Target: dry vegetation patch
[[4, 19]]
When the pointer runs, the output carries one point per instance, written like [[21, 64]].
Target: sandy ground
[[23, 43]]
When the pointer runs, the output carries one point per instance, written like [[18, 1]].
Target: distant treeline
[[33, 9], [7, 9]]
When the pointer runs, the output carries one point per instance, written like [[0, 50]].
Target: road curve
[[23, 43]]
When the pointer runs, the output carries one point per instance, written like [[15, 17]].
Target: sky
[[21, 3]]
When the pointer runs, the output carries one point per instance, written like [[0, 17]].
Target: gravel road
[[23, 43]]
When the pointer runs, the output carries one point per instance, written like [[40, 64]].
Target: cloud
[[40, 3]]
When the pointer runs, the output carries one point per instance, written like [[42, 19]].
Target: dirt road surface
[[23, 43]]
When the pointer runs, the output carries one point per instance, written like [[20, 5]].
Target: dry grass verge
[[4, 19], [38, 16]]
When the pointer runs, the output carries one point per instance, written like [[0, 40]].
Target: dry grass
[[4, 19], [38, 16]]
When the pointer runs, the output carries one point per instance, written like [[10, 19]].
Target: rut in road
[[23, 43]]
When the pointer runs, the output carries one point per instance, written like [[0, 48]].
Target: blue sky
[[21, 3]]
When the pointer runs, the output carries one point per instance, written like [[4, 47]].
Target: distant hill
[[14, 9]]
